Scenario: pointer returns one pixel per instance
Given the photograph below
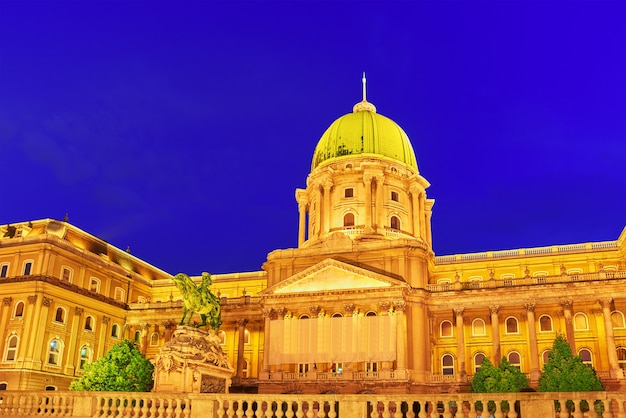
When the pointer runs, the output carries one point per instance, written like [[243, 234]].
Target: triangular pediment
[[332, 275]]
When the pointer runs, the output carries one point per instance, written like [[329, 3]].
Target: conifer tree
[[565, 372], [122, 369]]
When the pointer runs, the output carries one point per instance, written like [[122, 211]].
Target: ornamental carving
[[566, 303], [242, 322], [606, 302], [314, 310], [78, 311], [32, 299], [7, 301], [494, 309], [459, 311], [46, 302], [399, 305], [349, 307], [189, 345], [267, 312], [384, 306], [106, 319], [530, 306]]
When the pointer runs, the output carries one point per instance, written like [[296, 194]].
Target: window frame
[[449, 323], [518, 366], [9, 348], [4, 270], [18, 303], [97, 282], [484, 328], [63, 315], [447, 370], [506, 326], [575, 322], [349, 220], [397, 222], [58, 354], [395, 196], [477, 366], [70, 274], [27, 267], [83, 360], [551, 323], [348, 192]]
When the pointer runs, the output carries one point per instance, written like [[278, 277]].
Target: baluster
[[512, 412], [162, 407], [145, 406], [321, 412], [621, 406], [498, 413], [259, 409], [230, 412], [279, 409], [578, 413], [386, 413], [331, 409], [471, 408], [423, 406], [299, 412], [290, 412], [220, 408], [447, 409], [136, 406]]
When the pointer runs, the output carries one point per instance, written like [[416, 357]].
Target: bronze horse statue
[[198, 299]]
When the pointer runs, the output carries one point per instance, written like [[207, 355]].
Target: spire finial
[[364, 87], [364, 105]]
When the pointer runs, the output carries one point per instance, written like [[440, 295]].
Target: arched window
[[515, 359], [85, 356], [348, 219], [94, 285], [304, 316], [511, 325], [154, 339], [59, 315], [544, 356], [617, 318], [89, 323], [222, 336], [621, 357], [371, 313], [119, 294], [137, 336], [445, 329], [11, 351], [337, 315], [478, 361], [580, 322], [55, 349], [115, 331], [585, 356], [3, 386], [28, 267], [545, 323], [395, 223], [447, 365], [19, 310], [67, 273], [141, 299], [478, 327]]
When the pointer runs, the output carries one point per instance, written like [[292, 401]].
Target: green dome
[[364, 132]]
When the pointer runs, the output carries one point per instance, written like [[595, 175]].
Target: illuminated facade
[[361, 305]]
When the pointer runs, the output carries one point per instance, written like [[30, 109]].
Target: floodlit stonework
[[362, 305]]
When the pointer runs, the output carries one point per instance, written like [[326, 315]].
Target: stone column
[[569, 324], [416, 211], [301, 223], [422, 212], [367, 181], [104, 334], [5, 314], [614, 369], [380, 197], [35, 305], [241, 324], [535, 371], [76, 321], [267, 316], [495, 331], [401, 330], [460, 343], [429, 235], [326, 208]]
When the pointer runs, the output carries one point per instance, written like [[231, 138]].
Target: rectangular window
[[66, 274], [349, 192], [94, 285], [394, 196], [27, 268], [4, 270]]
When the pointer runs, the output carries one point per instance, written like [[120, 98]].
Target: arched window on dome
[[348, 219], [19, 310], [395, 223], [10, 352]]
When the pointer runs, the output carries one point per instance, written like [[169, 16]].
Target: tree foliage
[[565, 372], [504, 378], [121, 369]]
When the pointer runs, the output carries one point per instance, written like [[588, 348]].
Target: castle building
[[361, 305]]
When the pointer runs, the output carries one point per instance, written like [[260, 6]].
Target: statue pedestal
[[192, 362]]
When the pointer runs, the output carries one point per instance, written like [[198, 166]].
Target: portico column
[[241, 323], [614, 370], [495, 332], [460, 342], [401, 330], [384, 311], [5, 314], [569, 325], [34, 313], [267, 316], [535, 372], [76, 320], [367, 181]]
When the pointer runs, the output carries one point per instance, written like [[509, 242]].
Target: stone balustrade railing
[[186, 405]]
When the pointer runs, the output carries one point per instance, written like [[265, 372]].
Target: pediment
[[332, 275]]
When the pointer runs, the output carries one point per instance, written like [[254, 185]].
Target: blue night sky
[[182, 128]]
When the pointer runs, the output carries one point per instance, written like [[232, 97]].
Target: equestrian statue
[[198, 299]]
